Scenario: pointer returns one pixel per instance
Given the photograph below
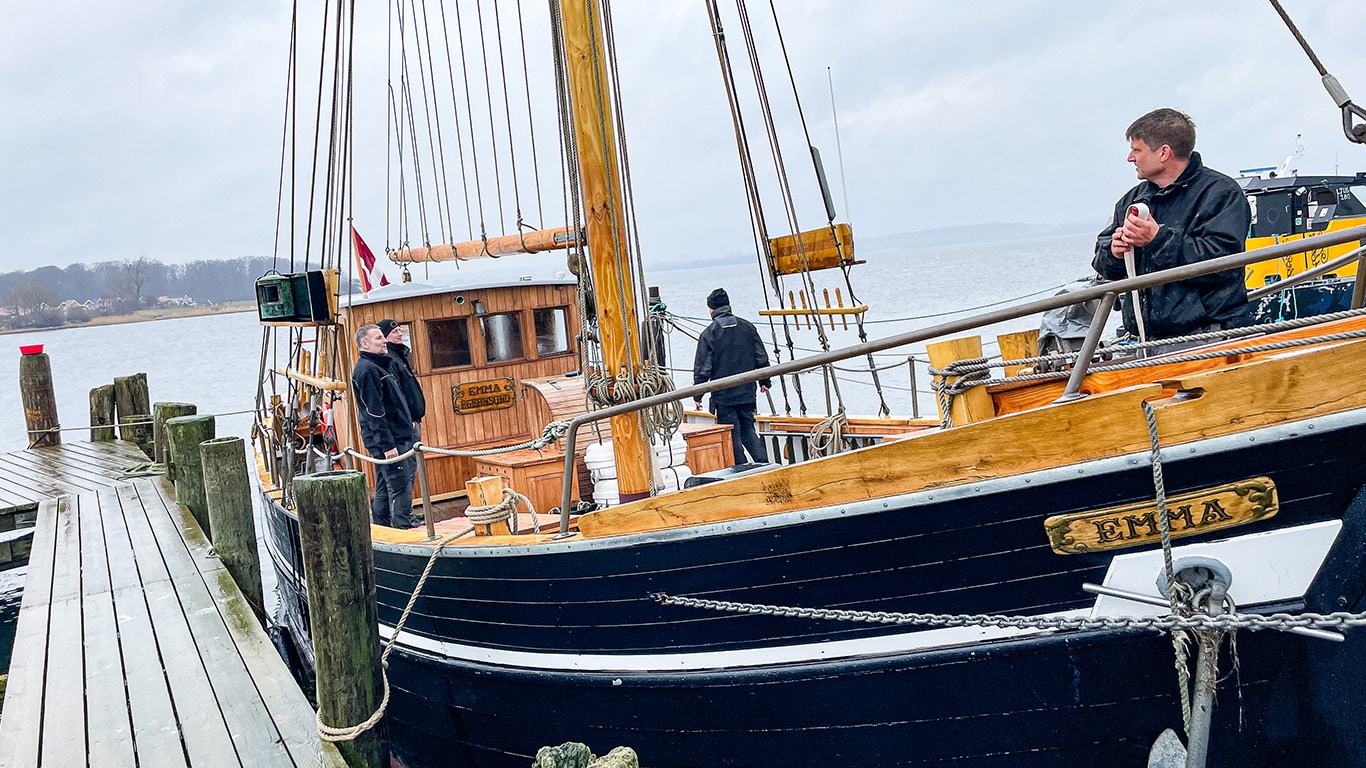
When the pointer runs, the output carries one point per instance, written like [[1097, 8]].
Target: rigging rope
[[839, 246], [488, 95], [455, 107]]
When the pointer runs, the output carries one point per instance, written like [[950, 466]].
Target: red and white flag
[[370, 275]]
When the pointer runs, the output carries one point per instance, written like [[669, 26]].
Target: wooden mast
[[591, 114]]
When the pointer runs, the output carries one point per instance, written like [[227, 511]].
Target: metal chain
[[1254, 622]]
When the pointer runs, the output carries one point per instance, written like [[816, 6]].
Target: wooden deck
[[30, 476], [134, 645]]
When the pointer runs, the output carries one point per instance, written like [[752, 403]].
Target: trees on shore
[[50, 296]]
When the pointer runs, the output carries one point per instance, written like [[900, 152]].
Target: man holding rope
[[1181, 212]]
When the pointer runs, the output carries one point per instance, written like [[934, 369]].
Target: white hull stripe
[[750, 657]]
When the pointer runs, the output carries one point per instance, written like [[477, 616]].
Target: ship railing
[[1106, 293], [791, 446], [790, 441]]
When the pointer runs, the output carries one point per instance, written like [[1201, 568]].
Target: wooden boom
[[526, 242]]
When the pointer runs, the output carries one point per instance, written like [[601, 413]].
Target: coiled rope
[[660, 420], [828, 435], [503, 510]]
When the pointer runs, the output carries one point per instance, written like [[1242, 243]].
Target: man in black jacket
[[386, 428], [729, 346], [1196, 214], [407, 376]]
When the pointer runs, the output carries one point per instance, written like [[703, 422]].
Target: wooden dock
[[134, 645], [38, 474]]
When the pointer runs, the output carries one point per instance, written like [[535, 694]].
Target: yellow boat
[[1290, 208]]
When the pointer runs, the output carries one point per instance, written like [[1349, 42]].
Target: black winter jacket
[[728, 346], [1203, 214], [412, 390], [385, 421]]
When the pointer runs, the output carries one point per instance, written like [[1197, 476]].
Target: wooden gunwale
[[1236, 392]]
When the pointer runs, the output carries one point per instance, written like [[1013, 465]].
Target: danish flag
[[365, 258]]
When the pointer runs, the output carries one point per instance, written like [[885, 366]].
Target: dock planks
[[38, 474], [134, 646]]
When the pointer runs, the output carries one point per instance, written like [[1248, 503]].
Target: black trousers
[[393, 502], [743, 436]]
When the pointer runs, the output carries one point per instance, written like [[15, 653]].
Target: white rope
[[554, 431], [503, 510], [828, 435]]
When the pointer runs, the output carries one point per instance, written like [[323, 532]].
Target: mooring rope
[[553, 432], [330, 733], [503, 510], [1177, 595]]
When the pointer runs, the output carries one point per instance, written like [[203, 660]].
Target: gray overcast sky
[[153, 128]]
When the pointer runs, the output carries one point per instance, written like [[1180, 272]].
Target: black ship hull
[[513, 648]]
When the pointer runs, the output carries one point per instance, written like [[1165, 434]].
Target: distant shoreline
[[147, 315]]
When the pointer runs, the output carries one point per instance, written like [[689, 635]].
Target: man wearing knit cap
[[407, 376], [729, 346]]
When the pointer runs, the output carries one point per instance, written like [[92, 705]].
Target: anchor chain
[[1253, 622]]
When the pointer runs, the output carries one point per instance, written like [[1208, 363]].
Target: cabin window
[[552, 331], [449, 342], [1272, 213], [502, 337], [1352, 200]]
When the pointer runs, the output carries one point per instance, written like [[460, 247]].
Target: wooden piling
[[486, 491], [160, 413], [183, 436], [339, 567], [227, 494], [134, 407], [102, 413], [40, 403]]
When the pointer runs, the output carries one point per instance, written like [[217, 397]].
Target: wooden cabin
[[497, 360]]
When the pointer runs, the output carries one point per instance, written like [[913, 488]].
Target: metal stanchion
[[426, 496]]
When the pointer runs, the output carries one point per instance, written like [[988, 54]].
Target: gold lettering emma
[[1146, 525]]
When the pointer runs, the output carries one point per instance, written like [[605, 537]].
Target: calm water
[[212, 360], [905, 290]]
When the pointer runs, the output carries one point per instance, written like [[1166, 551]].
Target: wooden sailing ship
[[977, 592]]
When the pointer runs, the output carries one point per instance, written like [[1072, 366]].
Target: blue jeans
[[743, 436], [393, 502]]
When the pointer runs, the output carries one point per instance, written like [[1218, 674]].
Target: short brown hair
[[1165, 126]]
